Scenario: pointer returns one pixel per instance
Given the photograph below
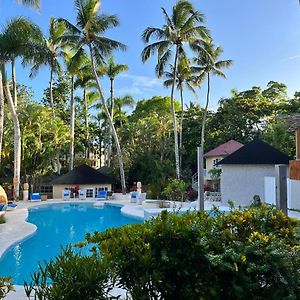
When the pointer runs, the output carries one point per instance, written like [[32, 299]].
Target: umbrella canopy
[[3, 196]]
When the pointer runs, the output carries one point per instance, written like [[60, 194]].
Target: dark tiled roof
[[256, 152], [224, 149], [83, 174]]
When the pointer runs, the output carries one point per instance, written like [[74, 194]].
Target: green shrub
[[71, 276], [5, 286], [175, 190], [244, 254], [252, 253]]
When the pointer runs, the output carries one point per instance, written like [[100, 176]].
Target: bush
[[244, 254], [175, 190], [71, 276], [5, 286]]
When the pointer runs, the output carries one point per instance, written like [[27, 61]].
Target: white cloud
[[292, 57], [140, 84]]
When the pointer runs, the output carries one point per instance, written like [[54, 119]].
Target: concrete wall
[[239, 183], [58, 188]]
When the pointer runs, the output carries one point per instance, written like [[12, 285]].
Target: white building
[[243, 171]]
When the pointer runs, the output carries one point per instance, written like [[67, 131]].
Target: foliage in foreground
[[2, 219], [245, 254], [5, 286]]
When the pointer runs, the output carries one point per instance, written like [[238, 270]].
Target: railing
[[195, 179]]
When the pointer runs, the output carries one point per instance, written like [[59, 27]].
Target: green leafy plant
[[71, 276], [175, 190], [5, 286], [2, 219]]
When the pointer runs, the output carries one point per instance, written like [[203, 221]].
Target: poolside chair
[[3, 208], [11, 206], [35, 197], [82, 194], [141, 198], [102, 195], [133, 197], [66, 195]]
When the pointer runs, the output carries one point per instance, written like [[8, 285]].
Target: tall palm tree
[[16, 40], [74, 63], [112, 70], [208, 64], [48, 53], [183, 26], [88, 31], [121, 102], [184, 78], [85, 80]]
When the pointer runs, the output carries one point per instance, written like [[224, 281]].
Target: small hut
[[82, 177]]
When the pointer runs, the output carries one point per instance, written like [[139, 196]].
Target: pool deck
[[17, 228]]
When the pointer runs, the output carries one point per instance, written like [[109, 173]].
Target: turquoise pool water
[[58, 225]]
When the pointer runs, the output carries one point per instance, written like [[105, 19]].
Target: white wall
[[239, 183]]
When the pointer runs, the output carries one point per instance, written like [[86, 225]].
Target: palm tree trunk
[[1, 112], [120, 116], [86, 115], [201, 150], [180, 132], [17, 136], [205, 112], [14, 82], [112, 115], [110, 120], [51, 90], [72, 125], [176, 150]]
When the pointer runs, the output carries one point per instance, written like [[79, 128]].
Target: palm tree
[[48, 53], [73, 62], [85, 80], [121, 102], [32, 3], [89, 30], [208, 64], [112, 70], [183, 26], [17, 40], [184, 78]]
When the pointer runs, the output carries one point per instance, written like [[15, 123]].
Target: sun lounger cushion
[[35, 197], [102, 195]]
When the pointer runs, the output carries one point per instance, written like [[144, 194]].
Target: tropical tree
[[208, 64], [48, 53], [16, 40], [184, 78], [121, 102], [184, 26], [112, 70], [88, 31]]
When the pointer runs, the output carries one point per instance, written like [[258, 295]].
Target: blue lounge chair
[[133, 197], [102, 195], [11, 206], [34, 197]]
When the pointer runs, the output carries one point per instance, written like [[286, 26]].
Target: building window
[[46, 189], [89, 193], [216, 161]]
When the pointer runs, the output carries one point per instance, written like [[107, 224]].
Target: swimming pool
[[57, 225]]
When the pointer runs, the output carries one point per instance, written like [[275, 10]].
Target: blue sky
[[262, 37]]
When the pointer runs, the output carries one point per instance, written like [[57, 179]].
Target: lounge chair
[[11, 206], [35, 197], [66, 195], [102, 195], [141, 198], [82, 194], [133, 197]]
